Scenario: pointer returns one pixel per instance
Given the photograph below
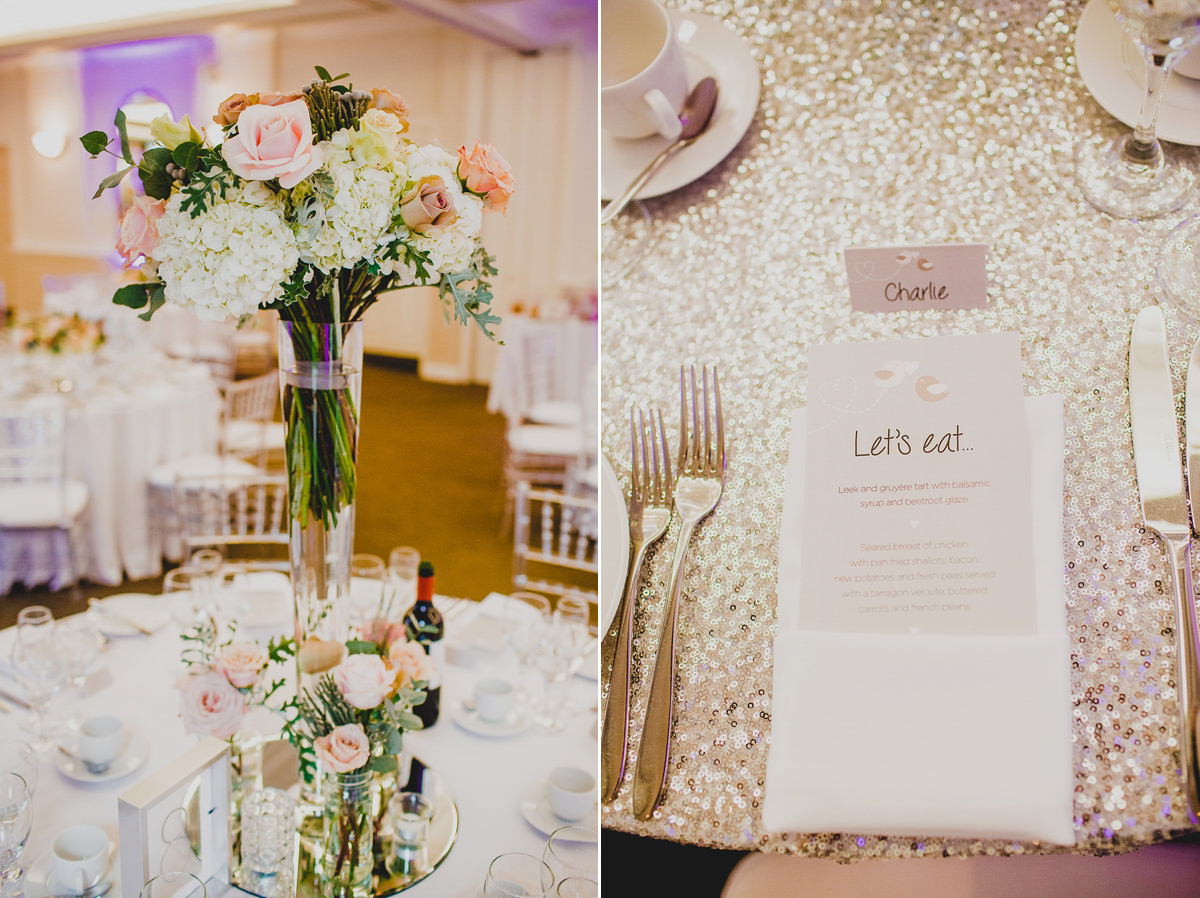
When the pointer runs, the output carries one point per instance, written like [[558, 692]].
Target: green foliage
[[468, 294], [204, 185], [119, 121], [95, 143], [112, 181], [323, 74], [133, 296], [158, 297], [361, 647], [281, 648], [153, 172], [187, 155]]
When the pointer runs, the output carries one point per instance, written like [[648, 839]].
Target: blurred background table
[[884, 123]]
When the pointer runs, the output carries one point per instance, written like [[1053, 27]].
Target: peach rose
[[346, 748], [364, 680], [486, 173], [273, 142], [139, 228], [319, 655], [241, 662], [275, 98], [232, 107], [389, 102], [410, 661], [210, 706], [428, 205]]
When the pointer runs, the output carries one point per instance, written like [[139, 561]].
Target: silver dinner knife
[[1165, 511]]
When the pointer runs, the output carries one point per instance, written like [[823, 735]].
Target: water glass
[[578, 887], [181, 596], [409, 813], [19, 757], [16, 820], [81, 642], [530, 621], [38, 665], [206, 565], [573, 851], [268, 831], [516, 875], [367, 595], [403, 562]]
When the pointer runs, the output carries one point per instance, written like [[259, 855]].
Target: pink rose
[[346, 748], [485, 172], [241, 662], [273, 142], [428, 205], [410, 661], [210, 706], [364, 680], [139, 228]]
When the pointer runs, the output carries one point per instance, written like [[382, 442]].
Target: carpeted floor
[[430, 467]]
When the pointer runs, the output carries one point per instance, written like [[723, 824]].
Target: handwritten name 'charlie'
[[896, 292]]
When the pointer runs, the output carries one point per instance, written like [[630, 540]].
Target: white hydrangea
[[229, 260], [351, 226], [450, 248]]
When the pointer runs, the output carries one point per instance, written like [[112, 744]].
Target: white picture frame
[[139, 841]]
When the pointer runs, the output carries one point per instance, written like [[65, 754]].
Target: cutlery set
[[694, 490], [1167, 507]]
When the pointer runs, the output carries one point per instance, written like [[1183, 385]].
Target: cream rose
[[210, 706], [346, 748], [171, 134], [273, 142], [241, 663], [388, 102], [364, 680], [139, 228], [410, 661], [428, 205], [485, 172]]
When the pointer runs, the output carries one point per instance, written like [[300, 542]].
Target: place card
[[917, 278], [917, 506]]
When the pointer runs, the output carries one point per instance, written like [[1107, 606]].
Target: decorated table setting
[[890, 528]]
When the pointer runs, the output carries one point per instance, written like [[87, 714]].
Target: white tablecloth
[[570, 351], [125, 416], [488, 776]]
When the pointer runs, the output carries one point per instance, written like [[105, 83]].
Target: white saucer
[[137, 750], [535, 808], [473, 723], [1112, 70], [614, 538], [712, 50], [149, 611], [40, 881]]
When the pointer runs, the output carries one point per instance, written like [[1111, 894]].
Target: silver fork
[[697, 490], [650, 494]]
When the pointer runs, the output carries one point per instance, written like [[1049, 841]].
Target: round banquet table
[[126, 413], [884, 123], [488, 776]]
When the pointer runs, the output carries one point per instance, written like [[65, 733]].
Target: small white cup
[[80, 856], [572, 793], [643, 71], [493, 699], [101, 739]]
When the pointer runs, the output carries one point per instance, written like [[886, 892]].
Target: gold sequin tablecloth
[[884, 122]]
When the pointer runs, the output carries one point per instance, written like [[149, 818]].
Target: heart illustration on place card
[[839, 394]]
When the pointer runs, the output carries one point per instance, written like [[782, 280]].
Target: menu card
[[917, 489]]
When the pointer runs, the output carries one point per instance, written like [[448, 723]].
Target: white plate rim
[[110, 626], [1100, 57], [531, 810], [614, 538], [472, 724], [38, 873], [137, 750], [715, 49]]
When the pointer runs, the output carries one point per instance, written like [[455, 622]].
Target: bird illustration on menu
[[930, 389]]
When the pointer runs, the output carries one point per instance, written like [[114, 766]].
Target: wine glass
[[513, 875], [565, 646], [529, 619], [1134, 176], [367, 595], [39, 667], [19, 757], [16, 819], [80, 642], [403, 562], [578, 887], [572, 851]]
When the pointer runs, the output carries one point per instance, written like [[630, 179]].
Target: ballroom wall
[[538, 110]]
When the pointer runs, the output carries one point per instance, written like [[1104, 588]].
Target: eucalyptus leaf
[[119, 121], [112, 181], [134, 296], [361, 647], [384, 764], [158, 296], [395, 742], [187, 155], [322, 73], [153, 172]]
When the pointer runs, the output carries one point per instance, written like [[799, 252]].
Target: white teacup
[[493, 699], [643, 72], [101, 739], [572, 793], [80, 856]]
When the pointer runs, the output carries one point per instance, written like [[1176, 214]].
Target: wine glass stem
[[1142, 147]]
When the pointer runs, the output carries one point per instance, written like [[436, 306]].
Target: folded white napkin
[[925, 735]]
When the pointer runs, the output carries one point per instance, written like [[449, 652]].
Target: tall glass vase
[[320, 372]]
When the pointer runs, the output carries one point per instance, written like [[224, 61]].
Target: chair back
[[252, 399], [232, 511], [555, 542], [33, 455]]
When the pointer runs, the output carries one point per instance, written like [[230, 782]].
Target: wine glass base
[[1124, 191], [1179, 267]]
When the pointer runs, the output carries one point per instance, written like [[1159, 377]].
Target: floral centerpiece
[[314, 204], [52, 333]]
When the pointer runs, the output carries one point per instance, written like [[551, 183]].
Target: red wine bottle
[[423, 623]]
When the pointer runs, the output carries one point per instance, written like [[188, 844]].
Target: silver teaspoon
[[697, 113]]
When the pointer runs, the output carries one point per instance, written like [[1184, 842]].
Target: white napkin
[[923, 735]]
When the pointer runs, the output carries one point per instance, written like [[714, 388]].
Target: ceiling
[[524, 26]]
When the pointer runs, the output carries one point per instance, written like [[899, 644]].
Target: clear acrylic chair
[[248, 426], [244, 517], [555, 543], [37, 499]]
